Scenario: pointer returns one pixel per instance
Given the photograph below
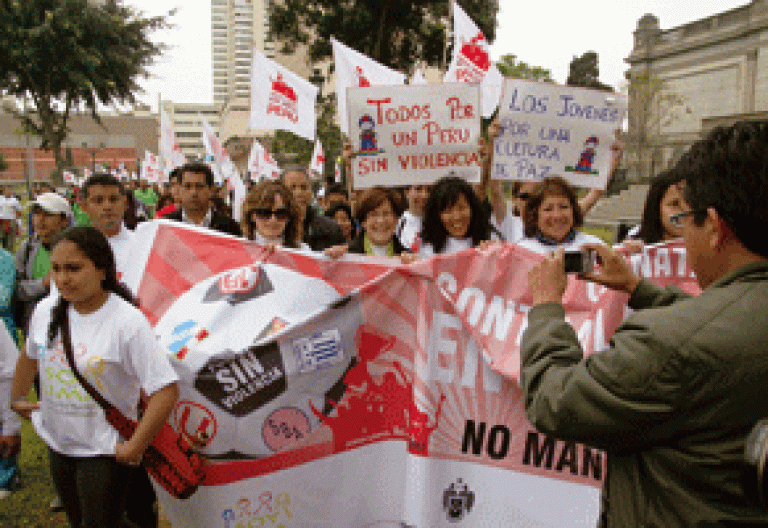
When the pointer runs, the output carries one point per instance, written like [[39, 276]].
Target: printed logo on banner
[[362, 80], [318, 350], [265, 509], [272, 328], [473, 60], [458, 500], [186, 335], [195, 421], [284, 428], [243, 382], [283, 101], [239, 285]]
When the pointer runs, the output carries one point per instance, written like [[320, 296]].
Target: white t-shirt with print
[[544, 249], [115, 349]]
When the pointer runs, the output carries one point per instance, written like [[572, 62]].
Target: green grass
[[28, 507]]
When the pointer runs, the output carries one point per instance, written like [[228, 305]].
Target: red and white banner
[[359, 393], [356, 70], [411, 135], [280, 99], [170, 150], [317, 165], [471, 61]]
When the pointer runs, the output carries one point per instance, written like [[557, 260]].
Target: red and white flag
[[354, 70], [261, 164], [69, 177], [318, 159], [472, 61], [86, 173], [280, 99], [337, 172], [170, 150], [150, 168]]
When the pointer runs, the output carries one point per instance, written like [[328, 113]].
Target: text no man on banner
[[408, 135], [552, 130]]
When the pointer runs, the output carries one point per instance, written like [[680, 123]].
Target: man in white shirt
[[102, 197]]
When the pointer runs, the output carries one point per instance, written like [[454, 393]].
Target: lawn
[[28, 506]]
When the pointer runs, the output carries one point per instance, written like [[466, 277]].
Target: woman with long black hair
[[114, 348]]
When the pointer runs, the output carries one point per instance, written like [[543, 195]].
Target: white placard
[[408, 135], [553, 130]]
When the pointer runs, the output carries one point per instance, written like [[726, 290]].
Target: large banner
[[407, 135], [550, 130], [358, 393]]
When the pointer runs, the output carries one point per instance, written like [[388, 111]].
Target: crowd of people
[[643, 401]]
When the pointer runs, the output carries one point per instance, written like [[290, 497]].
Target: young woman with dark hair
[[341, 213], [453, 218], [664, 199], [115, 349]]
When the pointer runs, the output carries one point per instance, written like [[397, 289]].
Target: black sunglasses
[[524, 195], [265, 212]]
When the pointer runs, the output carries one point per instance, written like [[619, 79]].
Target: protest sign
[[406, 135], [359, 393], [553, 130]]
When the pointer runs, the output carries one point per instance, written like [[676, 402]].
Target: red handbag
[[170, 459]]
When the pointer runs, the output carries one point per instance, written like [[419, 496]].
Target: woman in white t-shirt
[[115, 350], [270, 216], [552, 218], [453, 219]]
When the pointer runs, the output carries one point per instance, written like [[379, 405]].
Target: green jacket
[[671, 401]]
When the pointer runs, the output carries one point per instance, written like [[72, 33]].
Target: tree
[[584, 71], [57, 56], [396, 33], [509, 66], [3, 164], [652, 107]]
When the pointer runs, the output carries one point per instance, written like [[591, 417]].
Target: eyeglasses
[[524, 196], [264, 213], [677, 219]]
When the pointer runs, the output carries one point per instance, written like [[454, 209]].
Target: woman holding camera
[[115, 349], [552, 218]]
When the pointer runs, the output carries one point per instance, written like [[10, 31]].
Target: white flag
[[150, 168], [170, 150], [261, 164], [69, 177], [86, 173], [317, 164], [240, 191], [418, 77], [280, 99], [472, 61], [353, 69]]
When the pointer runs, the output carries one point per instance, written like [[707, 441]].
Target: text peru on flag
[[280, 99]]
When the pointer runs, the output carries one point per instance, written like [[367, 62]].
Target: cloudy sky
[[545, 33]]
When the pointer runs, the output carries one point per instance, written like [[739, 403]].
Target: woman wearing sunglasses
[[270, 216]]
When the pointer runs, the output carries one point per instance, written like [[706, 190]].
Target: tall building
[[708, 72], [237, 26], [188, 127]]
